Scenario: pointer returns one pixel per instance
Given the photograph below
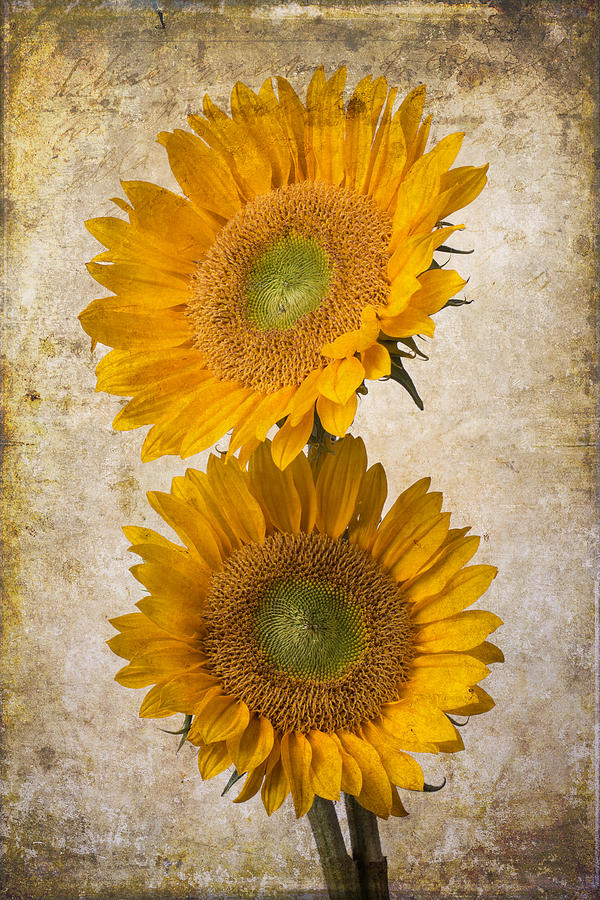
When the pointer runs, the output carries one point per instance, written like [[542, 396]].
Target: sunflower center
[[290, 272], [309, 631], [286, 282], [309, 627]]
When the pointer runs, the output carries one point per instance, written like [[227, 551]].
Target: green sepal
[[401, 376], [183, 731], [235, 776]]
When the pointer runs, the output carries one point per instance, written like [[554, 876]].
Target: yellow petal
[[261, 115], [340, 380], [328, 379], [376, 362], [305, 397], [452, 746], [302, 477], [222, 718], [126, 242], [369, 504], [487, 653], [179, 617], [250, 167], [152, 706], [407, 324], [437, 673], [163, 580], [343, 346], [338, 484], [213, 759], [437, 286], [172, 220], [193, 529], [275, 491], [247, 159], [126, 372], [293, 119], [402, 289], [296, 755], [153, 665], [291, 439], [397, 808], [362, 114], [479, 702], [132, 622], [231, 490], [400, 768], [252, 784], [351, 780], [376, 792], [326, 120], [134, 641], [420, 546], [461, 591], [325, 765], [138, 284], [185, 692], [434, 579], [195, 490], [336, 419], [388, 157], [346, 345], [445, 695], [460, 187], [461, 632], [246, 451], [215, 407], [410, 112], [275, 788], [413, 256], [271, 409], [112, 322], [177, 559], [414, 722], [417, 193], [369, 328], [412, 508], [251, 748], [201, 173], [420, 141]]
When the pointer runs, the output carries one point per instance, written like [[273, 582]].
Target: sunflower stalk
[[340, 870], [366, 851]]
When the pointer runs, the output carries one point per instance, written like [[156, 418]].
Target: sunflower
[[299, 258], [309, 644]]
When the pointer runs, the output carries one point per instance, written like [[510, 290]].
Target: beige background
[[97, 804]]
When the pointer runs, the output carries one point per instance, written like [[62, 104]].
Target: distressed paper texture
[[96, 804]]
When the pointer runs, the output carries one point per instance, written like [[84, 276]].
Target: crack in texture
[[304, 702], [352, 232]]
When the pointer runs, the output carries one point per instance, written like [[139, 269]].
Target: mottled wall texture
[[97, 804]]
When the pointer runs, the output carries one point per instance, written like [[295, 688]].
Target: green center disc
[[310, 628], [287, 281]]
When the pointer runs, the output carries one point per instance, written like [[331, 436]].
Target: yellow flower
[[305, 237], [312, 643]]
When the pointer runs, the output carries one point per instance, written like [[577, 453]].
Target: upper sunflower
[[309, 644], [300, 258]]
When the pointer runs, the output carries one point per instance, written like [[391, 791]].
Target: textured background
[[97, 804]]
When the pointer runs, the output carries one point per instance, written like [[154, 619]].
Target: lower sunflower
[[311, 644]]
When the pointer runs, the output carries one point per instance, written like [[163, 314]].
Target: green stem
[[341, 875], [366, 851]]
